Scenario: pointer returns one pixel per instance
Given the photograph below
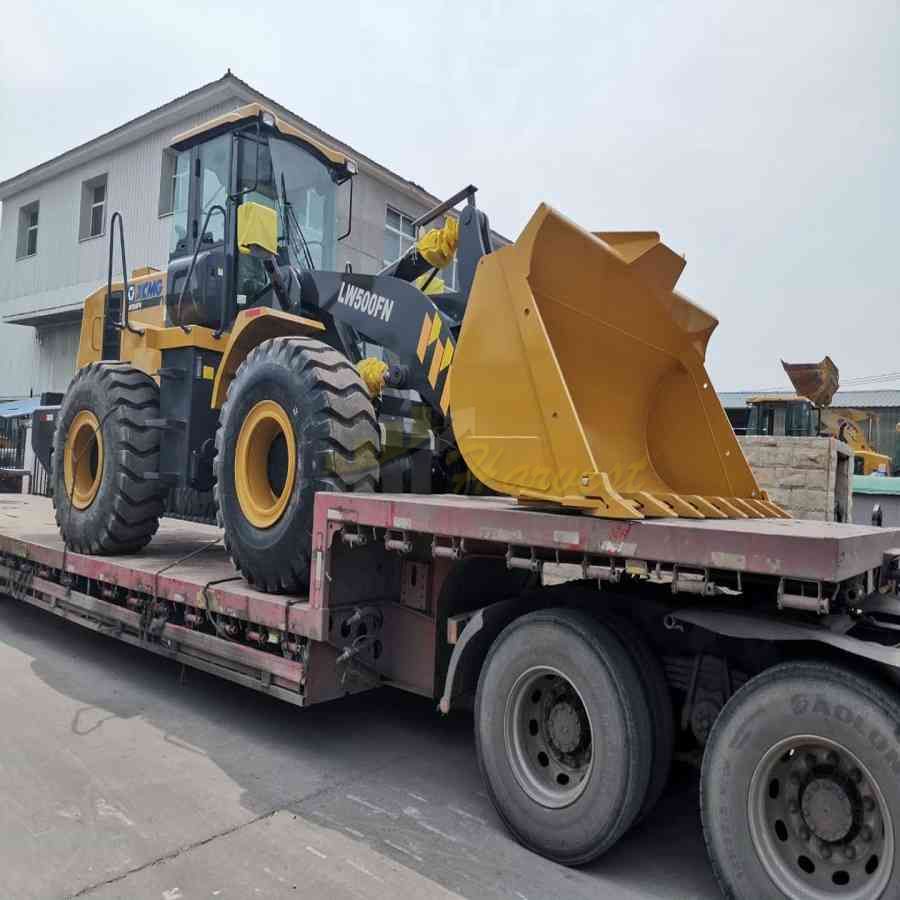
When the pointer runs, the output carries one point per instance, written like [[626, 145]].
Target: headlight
[[267, 119]]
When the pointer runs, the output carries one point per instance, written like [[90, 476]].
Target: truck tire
[[297, 419], [800, 789], [103, 452], [659, 699], [566, 786]]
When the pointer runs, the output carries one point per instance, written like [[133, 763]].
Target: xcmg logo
[[139, 293]]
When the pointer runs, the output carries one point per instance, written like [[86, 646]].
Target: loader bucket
[[578, 379]]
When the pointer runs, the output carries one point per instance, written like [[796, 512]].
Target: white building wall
[[65, 269]]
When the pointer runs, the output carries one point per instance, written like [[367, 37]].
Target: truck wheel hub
[[548, 737], [819, 821], [564, 726], [827, 809]]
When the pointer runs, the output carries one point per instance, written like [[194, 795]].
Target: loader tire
[[799, 790], [564, 734], [297, 420], [103, 452]]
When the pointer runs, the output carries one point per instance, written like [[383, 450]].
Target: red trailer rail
[[699, 633]]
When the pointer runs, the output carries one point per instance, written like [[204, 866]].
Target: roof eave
[[194, 102]]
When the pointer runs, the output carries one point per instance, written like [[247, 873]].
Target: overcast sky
[[760, 138]]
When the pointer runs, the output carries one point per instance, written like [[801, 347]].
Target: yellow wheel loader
[[236, 384]]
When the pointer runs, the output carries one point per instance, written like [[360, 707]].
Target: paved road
[[120, 780]]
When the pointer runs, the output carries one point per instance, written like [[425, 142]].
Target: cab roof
[[248, 113]]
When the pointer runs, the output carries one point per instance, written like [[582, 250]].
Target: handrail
[[467, 193], [123, 323]]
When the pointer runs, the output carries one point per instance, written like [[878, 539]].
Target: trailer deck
[[186, 561], [784, 548], [289, 645]]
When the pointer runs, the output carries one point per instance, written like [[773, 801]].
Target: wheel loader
[[564, 370]]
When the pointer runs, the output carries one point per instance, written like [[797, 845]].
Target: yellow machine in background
[[777, 414], [853, 427], [811, 413]]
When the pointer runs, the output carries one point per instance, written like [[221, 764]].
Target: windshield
[[306, 205]]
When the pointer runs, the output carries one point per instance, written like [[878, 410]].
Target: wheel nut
[[850, 852], [833, 758], [804, 833], [865, 833], [793, 807], [856, 775], [869, 804], [824, 850]]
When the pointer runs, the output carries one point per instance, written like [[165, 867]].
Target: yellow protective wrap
[[372, 372], [438, 245], [435, 286], [257, 229]]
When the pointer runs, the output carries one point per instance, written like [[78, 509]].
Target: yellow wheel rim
[[83, 459], [265, 463]]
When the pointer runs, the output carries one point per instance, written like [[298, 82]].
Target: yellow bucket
[[579, 379]]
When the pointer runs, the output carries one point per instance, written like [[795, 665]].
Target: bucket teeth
[[684, 506], [710, 510], [773, 509], [747, 507], [651, 506], [727, 506]]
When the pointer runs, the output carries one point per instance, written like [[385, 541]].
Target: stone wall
[[810, 477]]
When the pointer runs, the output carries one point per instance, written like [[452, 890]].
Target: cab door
[[201, 223]]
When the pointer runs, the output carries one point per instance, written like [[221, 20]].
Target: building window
[[399, 235], [172, 182], [93, 208], [26, 245]]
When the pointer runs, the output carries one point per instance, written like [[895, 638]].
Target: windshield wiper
[[291, 217]]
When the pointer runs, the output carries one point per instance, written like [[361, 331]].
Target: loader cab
[[248, 169]]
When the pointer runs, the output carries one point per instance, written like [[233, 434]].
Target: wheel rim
[[819, 822], [548, 737], [265, 463], [83, 459]]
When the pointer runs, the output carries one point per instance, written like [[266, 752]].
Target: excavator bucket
[[815, 381], [578, 379]]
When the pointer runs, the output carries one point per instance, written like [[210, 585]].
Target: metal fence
[[16, 461], [13, 437], [13, 434], [40, 480]]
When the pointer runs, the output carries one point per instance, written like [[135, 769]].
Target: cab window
[[180, 194], [215, 168]]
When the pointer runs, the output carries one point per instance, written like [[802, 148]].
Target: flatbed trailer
[[592, 648]]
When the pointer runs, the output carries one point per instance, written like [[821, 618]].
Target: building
[[53, 232], [882, 407]]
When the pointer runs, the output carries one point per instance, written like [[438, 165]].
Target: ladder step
[[162, 477], [172, 373], [168, 424]]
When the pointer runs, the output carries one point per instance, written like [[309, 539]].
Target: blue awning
[[12, 409]]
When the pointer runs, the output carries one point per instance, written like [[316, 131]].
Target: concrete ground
[[121, 776]]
